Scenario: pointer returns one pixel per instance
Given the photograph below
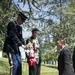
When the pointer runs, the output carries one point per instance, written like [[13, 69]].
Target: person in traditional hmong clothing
[[34, 53]]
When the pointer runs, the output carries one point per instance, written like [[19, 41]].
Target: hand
[[23, 46]]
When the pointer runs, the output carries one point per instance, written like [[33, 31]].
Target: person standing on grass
[[34, 55], [13, 40], [64, 64], [73, 59]]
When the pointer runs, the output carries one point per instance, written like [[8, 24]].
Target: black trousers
[[35, 69]]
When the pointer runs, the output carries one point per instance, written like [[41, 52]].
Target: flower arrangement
[[31, 53], [32, 48]]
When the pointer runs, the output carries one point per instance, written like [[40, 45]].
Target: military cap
[[23, 16]]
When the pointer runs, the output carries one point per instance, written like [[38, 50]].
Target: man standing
[[34, 56], [64, 65], [13, 40], [73, 59]]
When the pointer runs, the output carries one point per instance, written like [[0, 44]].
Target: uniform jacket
[[64, 65], [14, 38]]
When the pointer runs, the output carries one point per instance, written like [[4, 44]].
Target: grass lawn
[[45, 69]]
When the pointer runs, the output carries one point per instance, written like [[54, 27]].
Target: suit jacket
[[14, 38], [74, 59], [64, 65]]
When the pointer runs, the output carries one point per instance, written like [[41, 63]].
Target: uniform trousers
[[16, 64]]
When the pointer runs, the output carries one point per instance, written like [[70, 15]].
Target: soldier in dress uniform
[[12, 42], [34, 56]]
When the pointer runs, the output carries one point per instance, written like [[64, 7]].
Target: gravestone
[[0, 54]]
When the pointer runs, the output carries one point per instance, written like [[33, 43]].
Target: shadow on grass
[[4, 73], [50, 66], [4, 67], [4, 64]]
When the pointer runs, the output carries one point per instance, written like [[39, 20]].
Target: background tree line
[[54, 18]]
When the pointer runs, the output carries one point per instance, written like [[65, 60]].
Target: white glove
[[23, 46]]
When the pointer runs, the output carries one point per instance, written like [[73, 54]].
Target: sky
[[21, 5]]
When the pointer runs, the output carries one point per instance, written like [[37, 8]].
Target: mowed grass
[[45, 69]]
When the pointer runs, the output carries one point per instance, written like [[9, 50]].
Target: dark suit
[[74, 59], [64, 65], [12, 42]]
